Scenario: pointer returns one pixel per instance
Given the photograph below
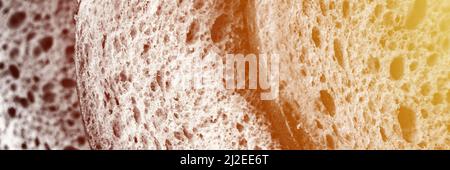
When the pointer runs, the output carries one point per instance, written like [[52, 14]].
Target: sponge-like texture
[[130, 57], [362, 74], [354, 74], [39, 106]]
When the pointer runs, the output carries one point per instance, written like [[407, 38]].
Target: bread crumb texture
[[363, 75], [39, 107], [130, 56], [353, 74]]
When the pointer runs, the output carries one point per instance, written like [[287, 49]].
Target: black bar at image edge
[[223, 159]]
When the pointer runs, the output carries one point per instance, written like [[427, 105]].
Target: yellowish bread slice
[[362, 74]]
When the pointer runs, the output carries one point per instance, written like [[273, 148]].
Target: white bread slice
[[354, 75], [130, 55], [39, 106]]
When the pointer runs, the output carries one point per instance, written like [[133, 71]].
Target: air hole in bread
[[330, 142], [378, 11], [432, 60], [187, 133], [133, 32], [416, 14], [383, 134], [37, 142], [14, 71], [21, 101], [424, 113], [425, 89], [239, 127], [193, 29], [14, 53], [136, 115], [37, 51], [168, 145], [11, 112], [198, 4], [346, 8], [218, 29], [70, 51], [338, 55], [46, 43], [318, 124], [116, 128], [323, 79], [316, 36], [16, 19], [397, 68], [407, 121], [437, 99], [243, 142], [413, 66], [49, 97], [323, 7], [13, 87], [30, 96], [68, 83], [328, 101]]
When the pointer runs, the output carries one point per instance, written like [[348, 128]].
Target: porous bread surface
[[362, 74], [39, 106], [354, 74], [130, 57]]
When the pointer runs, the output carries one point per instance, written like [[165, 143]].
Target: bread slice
[[362, 75], [353, 74], [39, 106], [130, 56]]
